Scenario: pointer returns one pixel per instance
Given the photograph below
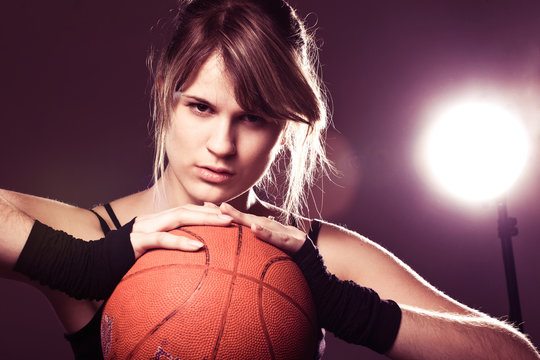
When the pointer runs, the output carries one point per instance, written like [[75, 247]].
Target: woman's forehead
[[212, 83]]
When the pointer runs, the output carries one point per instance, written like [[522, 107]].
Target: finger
[[240, 217], [207, 207], [249, 220], [193, 217], [285, 241], [181, 216], [143, 242], [210, 205], [170, 241], [174, 211]]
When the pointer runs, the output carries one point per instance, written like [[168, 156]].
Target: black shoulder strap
[[102, 222], [314, 229], [112, 215]]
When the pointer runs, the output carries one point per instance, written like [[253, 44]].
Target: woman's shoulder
[[335, 238], [122, 210], [352, 256]]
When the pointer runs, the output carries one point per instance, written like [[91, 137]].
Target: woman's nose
[[221, 141]]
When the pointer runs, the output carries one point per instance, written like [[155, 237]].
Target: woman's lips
[[214, 175]]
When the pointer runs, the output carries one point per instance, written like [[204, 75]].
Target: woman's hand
[[287, 238], [152, 231]]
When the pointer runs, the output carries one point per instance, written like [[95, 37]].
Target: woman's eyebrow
[[198, 99]]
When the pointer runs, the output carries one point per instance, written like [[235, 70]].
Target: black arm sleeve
[[81, 269], [352, 312]]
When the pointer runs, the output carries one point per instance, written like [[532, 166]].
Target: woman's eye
[[199, 107], [254, 119]]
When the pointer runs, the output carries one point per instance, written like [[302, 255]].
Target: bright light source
[[476, 150]]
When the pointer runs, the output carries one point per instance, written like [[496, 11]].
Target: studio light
[[476, 150]]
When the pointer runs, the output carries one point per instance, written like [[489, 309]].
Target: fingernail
[[225, 217], [257, 227], [195, 244]]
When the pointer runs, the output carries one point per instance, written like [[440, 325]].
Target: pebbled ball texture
[[237, 298]]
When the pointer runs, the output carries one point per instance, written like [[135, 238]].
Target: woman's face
[[216, 150]]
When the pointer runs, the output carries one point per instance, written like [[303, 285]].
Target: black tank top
[[86, 343]]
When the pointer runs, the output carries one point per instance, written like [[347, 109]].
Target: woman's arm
[[15, 227], [76, 221], [17, 214], [433, 326], [437, 335], [91, 269]]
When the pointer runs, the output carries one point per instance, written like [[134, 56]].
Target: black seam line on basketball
[[175, 311], [239, 275], [314, 327], [231, 290], [262, 320], [263, 274]]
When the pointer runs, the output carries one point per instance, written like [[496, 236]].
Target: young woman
[[235, 91]]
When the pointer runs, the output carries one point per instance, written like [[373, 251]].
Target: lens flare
[[476, 150]]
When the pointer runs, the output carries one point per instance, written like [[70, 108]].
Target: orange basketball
[[237, 298]]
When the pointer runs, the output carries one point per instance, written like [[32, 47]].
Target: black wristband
[[352, 312], [81, 269]]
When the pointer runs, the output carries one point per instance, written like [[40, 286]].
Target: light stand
[[507, 228]]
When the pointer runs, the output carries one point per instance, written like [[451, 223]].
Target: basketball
[[236, 298]]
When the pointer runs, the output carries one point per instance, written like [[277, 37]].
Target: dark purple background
[[74, 127]]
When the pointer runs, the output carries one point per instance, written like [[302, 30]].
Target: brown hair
[[272, 62]]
